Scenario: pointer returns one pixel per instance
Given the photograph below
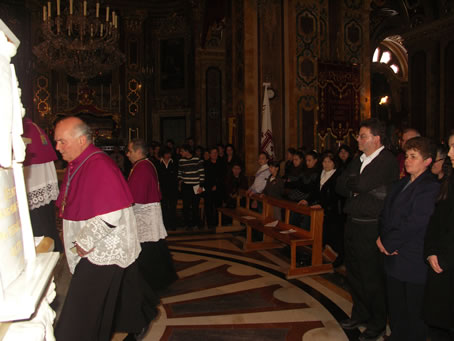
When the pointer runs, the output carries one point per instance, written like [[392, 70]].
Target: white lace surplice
[[117, 245], [41, 183], [150, 225]]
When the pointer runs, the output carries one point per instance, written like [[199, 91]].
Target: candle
[[116, 21], [101, 30], [91, 31], [70, 6], [44, 13], [58, 7], [85, 8], [48, 9], [107, 14], [113, 17], [97, 10]]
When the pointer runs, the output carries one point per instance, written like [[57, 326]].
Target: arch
[[398, 61]]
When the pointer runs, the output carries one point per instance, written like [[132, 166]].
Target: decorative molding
[[434, 30], [42, 96], [173, 25], [134, 21], [134, 96]]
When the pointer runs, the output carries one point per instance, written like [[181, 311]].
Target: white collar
[[262, 168], [368, 159], [372, 156]]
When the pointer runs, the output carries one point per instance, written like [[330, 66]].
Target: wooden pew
[[273, 237]]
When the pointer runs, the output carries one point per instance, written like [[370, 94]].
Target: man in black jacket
[[214, 184], [365, 183], [167, 169]]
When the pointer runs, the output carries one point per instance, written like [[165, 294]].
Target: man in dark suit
[[365, 183]]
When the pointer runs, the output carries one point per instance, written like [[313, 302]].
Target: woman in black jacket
[[403, 224], [438, 311], [303, 187], [326, 197], [275, 186], [231, 157]]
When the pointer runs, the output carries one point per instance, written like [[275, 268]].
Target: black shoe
[[350, 324], [371, 335]]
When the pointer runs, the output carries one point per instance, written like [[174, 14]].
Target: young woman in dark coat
[[295, 170], [275, 186], [344, 156], [231, 157], [303, 187], [288, 166], [403, 224], [325, 196], [235, 180], [438, 311]]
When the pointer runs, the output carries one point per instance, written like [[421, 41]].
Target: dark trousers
[[405, 301], [169, 210], [136, 303], [333, 234], [213, 200], [156, 265], [89, 308], [437, 334], [365, 274], [190, 206]]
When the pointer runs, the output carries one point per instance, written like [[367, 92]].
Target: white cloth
[[324, 177], [118, 245], [266, 136], [368, 159], [42, 184], [260, 179], [150, 225], [7, 50]]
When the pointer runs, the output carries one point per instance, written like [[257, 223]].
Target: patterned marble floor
[[227, 294]]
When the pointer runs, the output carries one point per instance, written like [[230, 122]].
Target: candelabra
[[78, 41]]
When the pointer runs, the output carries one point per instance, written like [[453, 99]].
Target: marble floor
[[227, 294]]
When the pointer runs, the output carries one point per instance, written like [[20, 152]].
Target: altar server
[[41, 182], [155, 261]]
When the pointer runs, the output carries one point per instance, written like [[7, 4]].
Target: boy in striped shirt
[[191, 177]]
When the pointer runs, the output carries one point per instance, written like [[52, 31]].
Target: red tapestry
[[339, 99]]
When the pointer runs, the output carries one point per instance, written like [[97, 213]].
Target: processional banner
[[339, 99]]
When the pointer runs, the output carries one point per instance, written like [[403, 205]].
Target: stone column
[[251, 88]]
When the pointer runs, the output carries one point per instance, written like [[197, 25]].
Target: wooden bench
[[238, 214], [275, 236]]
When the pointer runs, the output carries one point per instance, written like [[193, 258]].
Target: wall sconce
[[383, 100]]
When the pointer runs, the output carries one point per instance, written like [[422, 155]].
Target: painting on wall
[[172, 60]]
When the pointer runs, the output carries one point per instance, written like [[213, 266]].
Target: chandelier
[[79, 41]]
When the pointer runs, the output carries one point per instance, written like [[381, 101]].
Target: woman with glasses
[[437, 165]]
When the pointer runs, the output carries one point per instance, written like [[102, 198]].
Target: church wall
[[251, 87], [285, 42], [271, 61], [430, 52]]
